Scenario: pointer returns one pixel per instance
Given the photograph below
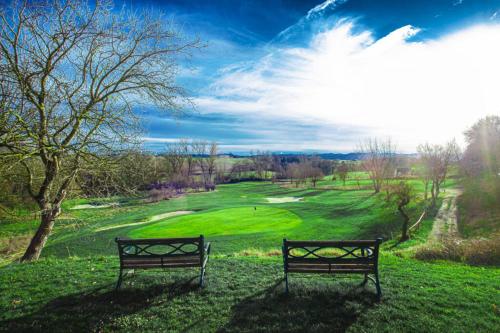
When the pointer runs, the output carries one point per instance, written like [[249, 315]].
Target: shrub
[[483, 251], [479, 251], [479, 208], [160, 194], [449, 249]]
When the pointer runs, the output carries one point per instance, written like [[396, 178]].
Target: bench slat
[[364, 260], [327, 266], [159, 265], [171, 255], [142, 241], [318, 270], [340, 243], [146, 259]]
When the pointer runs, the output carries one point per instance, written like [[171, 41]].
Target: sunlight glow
[[412, 91]]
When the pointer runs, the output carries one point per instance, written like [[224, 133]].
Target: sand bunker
[[89, 206], [170, 214], [152, 219], [283, 200]]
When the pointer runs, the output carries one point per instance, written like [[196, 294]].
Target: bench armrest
[[207, 248], [118, 239]]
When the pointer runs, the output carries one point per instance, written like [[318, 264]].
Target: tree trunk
[[404, 229], [433, 194], [437, 189], [377, 184], [426, 190], [42, 234]]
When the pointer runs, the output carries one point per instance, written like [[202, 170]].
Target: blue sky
[[307, 75]]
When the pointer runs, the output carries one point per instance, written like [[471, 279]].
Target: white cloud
[[394, 86], [160, 140]]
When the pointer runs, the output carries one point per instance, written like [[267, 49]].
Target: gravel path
[[445, 224]]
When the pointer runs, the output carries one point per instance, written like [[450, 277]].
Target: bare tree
[[71, 72], [290, 172], [240, 169], [211, 161], [277, 167], [378, 160], [175, 156], [343, 171], [301, 172], [206, 160], [188, 156], [122, 174], [436, 160], [200, 150], [426, 180], [402, 194], [298, 173], [315, 174]]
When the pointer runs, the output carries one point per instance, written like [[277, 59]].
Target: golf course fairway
[[231, 221]]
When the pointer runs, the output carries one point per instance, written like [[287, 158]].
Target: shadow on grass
[[92, 311], [317, 308]]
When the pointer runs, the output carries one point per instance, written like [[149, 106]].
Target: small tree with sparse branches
[[402, 194], [436, 160], [343, 171], [378, 160]]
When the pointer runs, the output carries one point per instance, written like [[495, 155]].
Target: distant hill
[[340, 156], [326, 156]]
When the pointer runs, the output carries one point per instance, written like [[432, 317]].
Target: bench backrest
[[161, 252], [331, 256]]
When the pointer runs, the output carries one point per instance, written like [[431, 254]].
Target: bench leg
[[120, 278], [286, 283], [202, 277], [377, 285], [365, 280]]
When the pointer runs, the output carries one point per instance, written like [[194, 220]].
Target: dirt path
[[445, 224]]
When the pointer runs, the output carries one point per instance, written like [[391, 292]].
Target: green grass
[[246, 294], [224, 222], [323, 214], [71, 287]]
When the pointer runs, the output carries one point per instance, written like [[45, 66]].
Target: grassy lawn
[[246, 294], [72, 287]]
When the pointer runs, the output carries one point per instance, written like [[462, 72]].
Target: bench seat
[[333, 257], [163, 253]]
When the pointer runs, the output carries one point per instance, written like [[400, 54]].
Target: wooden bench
[[352, 256], [163, 253]]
